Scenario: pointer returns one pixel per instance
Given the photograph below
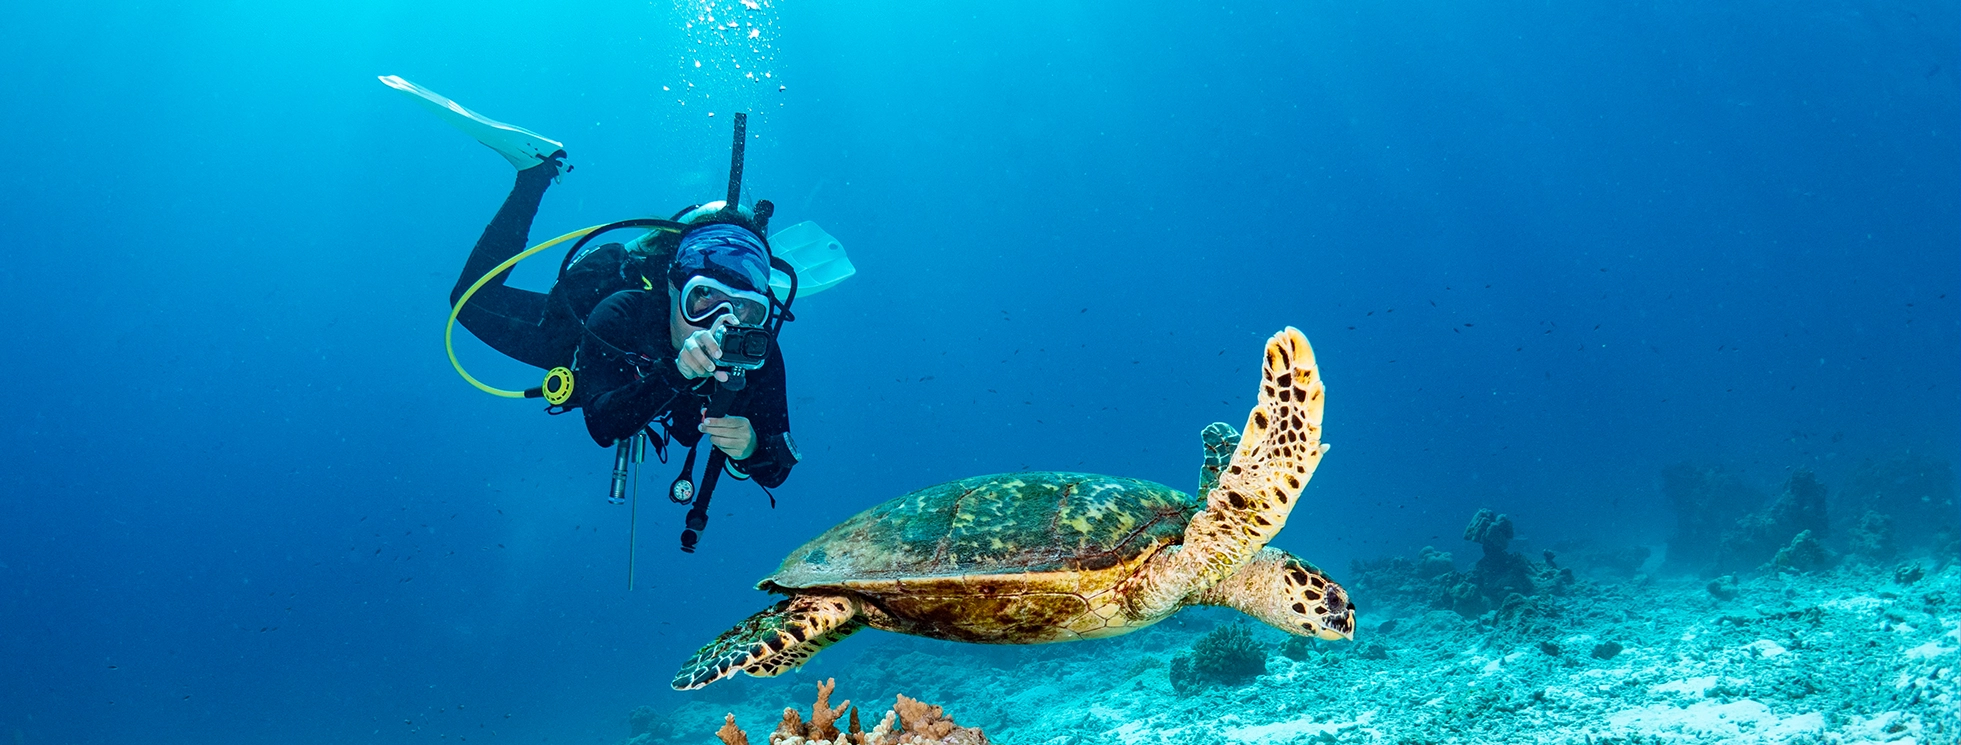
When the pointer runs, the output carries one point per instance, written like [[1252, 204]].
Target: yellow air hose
[[450, 329]]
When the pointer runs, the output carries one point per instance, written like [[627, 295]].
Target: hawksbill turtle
[[1038, 557]]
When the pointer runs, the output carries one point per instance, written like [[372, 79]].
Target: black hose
[[641, 222]]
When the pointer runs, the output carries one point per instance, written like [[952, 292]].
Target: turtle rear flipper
[[779, 638]]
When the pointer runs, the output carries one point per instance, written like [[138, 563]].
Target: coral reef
[[1803, 554], [1707, 501], [1722, 588], [1430, 581], [641, 720], [1792, 644], [1145, 664], [1229, 655], [1297, 648], [1501, 573], [1617, 561], [1519, 620], [1900, 504], [1872, 537], [1757, 537], [910, 722], [1855, 653], [1918, 493], [1433, 563]]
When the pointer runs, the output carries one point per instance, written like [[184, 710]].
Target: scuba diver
[[670, 336]]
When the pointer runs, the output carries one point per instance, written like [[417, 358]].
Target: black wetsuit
[[620, 394]]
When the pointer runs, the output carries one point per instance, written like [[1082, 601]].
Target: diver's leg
[[505, 235], [509, 319]]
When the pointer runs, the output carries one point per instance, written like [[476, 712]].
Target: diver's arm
[[619, 400], [767, 407]]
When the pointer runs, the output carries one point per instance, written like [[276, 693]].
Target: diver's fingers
[[692, 362], [729, 424], [707, 343]]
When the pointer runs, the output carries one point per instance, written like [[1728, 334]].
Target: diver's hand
[[731, 434], [700, 351]]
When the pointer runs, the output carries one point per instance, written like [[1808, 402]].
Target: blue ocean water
[[1543, 250]]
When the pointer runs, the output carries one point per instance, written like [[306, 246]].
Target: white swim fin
[[818, 258], [522, 147]]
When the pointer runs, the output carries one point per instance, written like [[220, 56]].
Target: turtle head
[[1289, 594]]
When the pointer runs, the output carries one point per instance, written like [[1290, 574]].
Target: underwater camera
[[743, 347]]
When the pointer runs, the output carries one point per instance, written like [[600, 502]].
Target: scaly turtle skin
[[1031, 558]]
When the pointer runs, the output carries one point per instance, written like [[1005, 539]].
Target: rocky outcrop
[[1757, 538]]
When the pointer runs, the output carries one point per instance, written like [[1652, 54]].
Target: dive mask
[[703, 299]]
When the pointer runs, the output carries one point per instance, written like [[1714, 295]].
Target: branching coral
[[910, 722], [731, 734]]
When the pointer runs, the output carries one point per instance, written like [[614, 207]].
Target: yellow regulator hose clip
[[558, 386]]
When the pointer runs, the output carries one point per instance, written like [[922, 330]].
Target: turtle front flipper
[[779, 638], [1256, 491], [1220, 440]]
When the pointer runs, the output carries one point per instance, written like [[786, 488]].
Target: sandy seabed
[[1849, 655]]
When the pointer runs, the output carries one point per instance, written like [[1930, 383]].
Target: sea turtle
[[1036, 557]]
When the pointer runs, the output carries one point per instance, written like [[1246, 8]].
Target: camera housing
[[743, 347]]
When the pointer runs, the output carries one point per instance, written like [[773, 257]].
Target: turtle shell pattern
[[1006, 558]]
